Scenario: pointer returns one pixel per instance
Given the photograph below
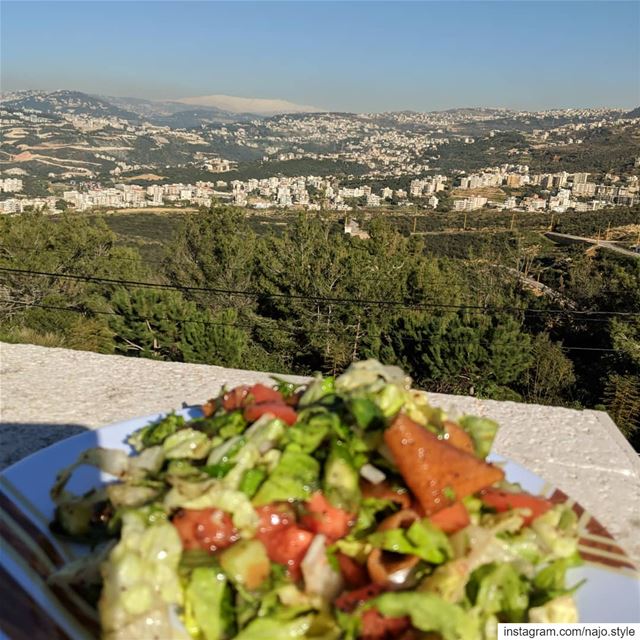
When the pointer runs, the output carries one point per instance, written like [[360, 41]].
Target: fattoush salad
[[348, 507]]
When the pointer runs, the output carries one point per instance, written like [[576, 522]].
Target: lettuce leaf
[[369, 509], [421, 539], [207, 604], [186, 443], [562, 609], [140, 579], [551, 581], [294, 478], [428, 612], [157, 433], [482, 431], [316, 390], [276, 629], [225, 424], [498, 588], [313, 426], [557, 532]]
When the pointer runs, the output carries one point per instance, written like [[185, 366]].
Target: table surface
[[49, 394]]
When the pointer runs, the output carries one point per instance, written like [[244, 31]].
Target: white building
[[11, 185]]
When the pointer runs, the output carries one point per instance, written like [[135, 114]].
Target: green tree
[[550, 375], [622, 399], [60, 245], [215, 249], [163, 325]]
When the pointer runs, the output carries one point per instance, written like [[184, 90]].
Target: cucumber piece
[[246, 563], [341, 479]]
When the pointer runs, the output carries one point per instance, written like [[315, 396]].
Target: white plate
[[611, 593]]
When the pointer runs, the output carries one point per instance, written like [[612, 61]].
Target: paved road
[[564, 238]]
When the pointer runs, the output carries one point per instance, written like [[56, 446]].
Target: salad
[[345, 508]]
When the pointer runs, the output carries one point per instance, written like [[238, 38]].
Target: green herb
[[251, 481]]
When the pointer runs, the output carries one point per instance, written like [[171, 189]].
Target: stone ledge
[[47, 394]]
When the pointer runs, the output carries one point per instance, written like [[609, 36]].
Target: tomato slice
[[274, 518], [354, 574], [375, 626], [277, 409], [289, 547], [260, 393], [350, 600], [504, 501], [451, 519], [235, 398], [208, 529], [323, 517]]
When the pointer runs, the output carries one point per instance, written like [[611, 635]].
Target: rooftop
[[49, 394]]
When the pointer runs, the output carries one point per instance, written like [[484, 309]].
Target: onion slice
[[320, 578], [372, 474]]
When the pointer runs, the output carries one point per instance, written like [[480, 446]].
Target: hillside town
[[558, 192], [68, 150]]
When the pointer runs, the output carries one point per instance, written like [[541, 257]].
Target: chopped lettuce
[[224, 424], [389, 399], [428, 612], [369, 509], [276, 629], [208, 611], [365, 412], [132, 495], [550, 582], [482, 431], [245, 460], [421, 539], [560, 610], [187, 443], [341, 480], [156, 433], [182, 467], [417, 407], [226, 451], [286, 388], [140, 580], [294, 478], [318, 389], [499, 589], [349, 624], [251, 481], [373, 392], [448, 581], [313, 426], [266, 432], [556, 531]]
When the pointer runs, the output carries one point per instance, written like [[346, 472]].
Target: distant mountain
[[176, 114], [262, 106], [136, 110], [64, 101], [633, 114]]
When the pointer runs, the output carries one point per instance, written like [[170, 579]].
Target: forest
[[459, 317]]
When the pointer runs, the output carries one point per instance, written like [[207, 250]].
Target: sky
[[347, 56]]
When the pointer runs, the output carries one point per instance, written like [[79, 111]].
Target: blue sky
[[356, 56]]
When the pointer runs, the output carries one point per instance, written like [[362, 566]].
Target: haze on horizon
[[337, 56]]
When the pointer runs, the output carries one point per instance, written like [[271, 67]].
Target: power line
[[244, 325], [312, 298], [140, 259], [289, 329]]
